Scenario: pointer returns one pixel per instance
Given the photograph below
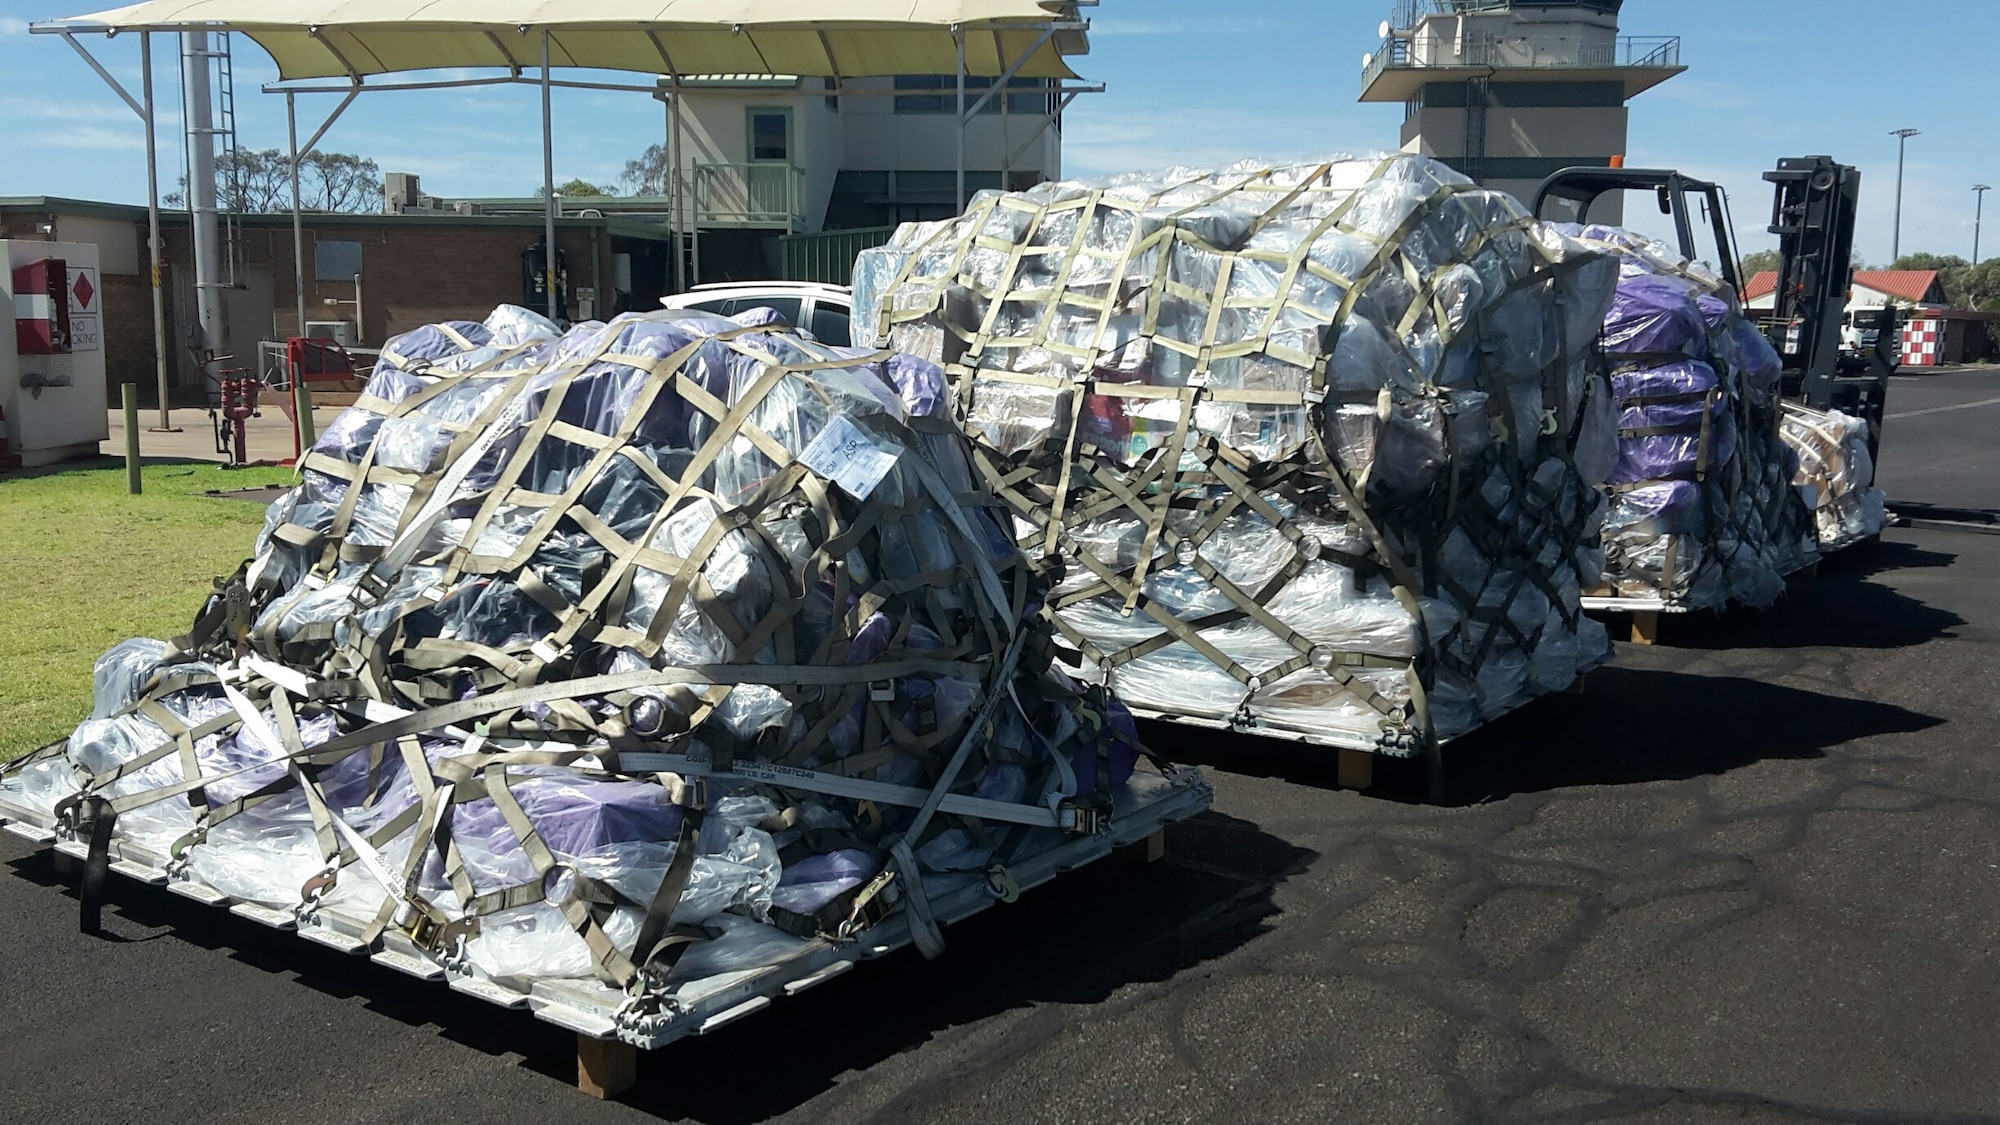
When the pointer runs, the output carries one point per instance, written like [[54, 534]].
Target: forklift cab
[[1699, 209]]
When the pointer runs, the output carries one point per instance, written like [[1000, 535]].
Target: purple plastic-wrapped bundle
[[1702, 512], [665, 646], [1669, 424]]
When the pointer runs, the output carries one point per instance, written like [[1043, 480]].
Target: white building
[[1508, 91], [787, 177]]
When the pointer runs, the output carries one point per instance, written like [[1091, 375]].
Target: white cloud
[[91, 137], [42, 109], [11, 25]]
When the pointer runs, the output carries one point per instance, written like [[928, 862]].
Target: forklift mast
[[1813, 213], [1813, 216]]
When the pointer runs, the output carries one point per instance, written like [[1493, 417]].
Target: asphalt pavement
[[1751, 874]]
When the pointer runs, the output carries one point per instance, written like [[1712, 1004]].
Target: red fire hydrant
[[239, 402]]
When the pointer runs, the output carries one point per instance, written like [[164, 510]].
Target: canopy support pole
[[302, 419], [1058, 104], [301, 398], [548, 188], [153, 229], [998, 87], [298, 224], [958, 38]]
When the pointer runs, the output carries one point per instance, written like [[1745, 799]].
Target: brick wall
[[128, 334], [412, 274]]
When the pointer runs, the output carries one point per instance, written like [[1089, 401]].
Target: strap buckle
[[1083, 816], [872, 903], [437, 935]]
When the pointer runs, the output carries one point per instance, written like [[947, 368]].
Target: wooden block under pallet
[[1354, 769], [1152, 849], [1645, 627], [605, 1068]]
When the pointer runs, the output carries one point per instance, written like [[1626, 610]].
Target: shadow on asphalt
[[1075, 940], [1629, 727], [1838, 608], [1635, 725]]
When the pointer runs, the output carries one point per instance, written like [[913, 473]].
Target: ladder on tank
[[230, 158], [231, 188]]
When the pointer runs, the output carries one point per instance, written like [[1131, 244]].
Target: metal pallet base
[[1357, 752], [693, 1007]]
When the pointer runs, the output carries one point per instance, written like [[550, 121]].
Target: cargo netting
[[637, 652], [1305, 444]]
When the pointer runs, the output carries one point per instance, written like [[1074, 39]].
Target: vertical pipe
[[958, 36], [201, 187], [302, 412], [548, 187], [674, 186], [153, 228], [129, 393]]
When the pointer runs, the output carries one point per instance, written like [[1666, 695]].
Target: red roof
[[1917, 286]]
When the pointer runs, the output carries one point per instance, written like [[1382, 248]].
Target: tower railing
[[1418, 52]]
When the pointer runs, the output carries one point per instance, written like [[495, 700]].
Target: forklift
[[1813, 215]]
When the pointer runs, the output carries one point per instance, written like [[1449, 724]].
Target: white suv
[[822, 310]]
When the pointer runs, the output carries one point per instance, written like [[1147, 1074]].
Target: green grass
[[83, 565]]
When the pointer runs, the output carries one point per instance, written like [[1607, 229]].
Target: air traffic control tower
[[1507, 91]]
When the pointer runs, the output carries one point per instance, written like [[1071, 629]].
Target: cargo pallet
[[1645, 612], [609, 1030], [1355, 765]]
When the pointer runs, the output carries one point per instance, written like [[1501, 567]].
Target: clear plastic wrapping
[[1175, 367], [540, 552], [1835, 474]]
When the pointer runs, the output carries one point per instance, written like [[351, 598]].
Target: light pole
[[1902, 140], [1979, 194]]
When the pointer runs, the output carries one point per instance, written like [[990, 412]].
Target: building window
[[770, 134], [336, 261], [945, 97]]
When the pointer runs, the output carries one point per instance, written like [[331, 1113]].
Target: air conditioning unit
[[400, 193], [339, 331], [466, 207]]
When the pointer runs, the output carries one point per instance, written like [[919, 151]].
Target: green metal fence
[[828, 257]]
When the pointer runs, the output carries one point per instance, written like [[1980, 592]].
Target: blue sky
[[1277, 78]]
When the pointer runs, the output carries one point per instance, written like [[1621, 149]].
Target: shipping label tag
[[849, 458]]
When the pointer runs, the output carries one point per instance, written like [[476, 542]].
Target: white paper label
[[844, 455]]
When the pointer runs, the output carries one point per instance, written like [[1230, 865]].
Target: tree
[[1966, 286], [249, 180], [580, 188], [1924, 261], [648, 174], [1759, 261]]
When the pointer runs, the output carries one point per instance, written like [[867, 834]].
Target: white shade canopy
[[814, 38]]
